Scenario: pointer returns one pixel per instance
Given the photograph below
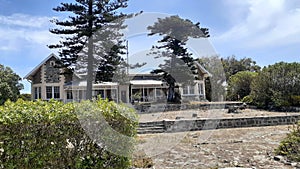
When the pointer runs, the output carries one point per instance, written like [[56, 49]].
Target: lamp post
[[127, 53]]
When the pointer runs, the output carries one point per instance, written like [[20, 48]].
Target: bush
[[275, 86], [290, 146], [52, 135], [239, 85], [248, 99], [24, 96], [295, 100]]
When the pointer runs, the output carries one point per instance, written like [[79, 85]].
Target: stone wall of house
[[37, 78], [209, 124], [52, 73]]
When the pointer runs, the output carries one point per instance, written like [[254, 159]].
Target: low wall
[[152, 108], [209, 124]]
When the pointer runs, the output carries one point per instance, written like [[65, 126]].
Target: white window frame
[[37, 92], [56, 90], [201, 88], [186, 90], [52, 92]]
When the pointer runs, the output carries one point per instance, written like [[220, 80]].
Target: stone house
[[48, 82]]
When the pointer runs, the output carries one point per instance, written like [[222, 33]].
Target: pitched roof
[[202, 69], [38, 66]]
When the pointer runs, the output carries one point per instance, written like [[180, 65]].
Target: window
[[48, 92], [185, 90], [201, 91], [69, 94], [37, 92], [191, 90], [52, 63], [114, 93], [99, 93], [188, 90], [110, 93], [56, 92], [52, 92], [158, 92]]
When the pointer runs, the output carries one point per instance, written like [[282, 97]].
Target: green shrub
[[26, 97], [275, 86], [52, 134], [295, 100], [248, 99], [290, 146]]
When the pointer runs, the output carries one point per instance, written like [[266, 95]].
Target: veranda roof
[[146, 82], [83, 84]]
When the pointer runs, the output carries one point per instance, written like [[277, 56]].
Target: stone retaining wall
[[152, 108], [209, 124]]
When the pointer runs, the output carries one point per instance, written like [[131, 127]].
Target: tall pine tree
[[179, 64], [91, 37]]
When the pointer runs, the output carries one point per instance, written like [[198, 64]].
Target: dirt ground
[[238, 147]]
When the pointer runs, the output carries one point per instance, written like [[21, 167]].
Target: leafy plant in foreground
[[50, 135]]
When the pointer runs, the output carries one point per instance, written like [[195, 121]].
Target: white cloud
[[23, 20], [265, 23], [19, 30]]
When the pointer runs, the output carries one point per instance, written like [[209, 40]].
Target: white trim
[[201, 88], [206, 73], [37, 91], [188, 88], [53, 92], [146, 82]]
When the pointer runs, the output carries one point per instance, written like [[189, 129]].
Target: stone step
[[150, 131], [152, 127], [150, 124]]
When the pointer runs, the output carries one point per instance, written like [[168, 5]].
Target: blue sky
[[268, 31]]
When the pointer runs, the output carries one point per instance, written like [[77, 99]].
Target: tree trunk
[[89, 83], [171, 92]]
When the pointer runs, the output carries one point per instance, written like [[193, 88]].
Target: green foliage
[[239, 85], [51, 134], [92, 31], [9, 84], [247, 99], [25, 96], [277, 85], [295, 99], [232, 66], [290, 146], [179, 64], [222, 69]]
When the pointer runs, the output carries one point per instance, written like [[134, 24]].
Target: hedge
[[52, 134]]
